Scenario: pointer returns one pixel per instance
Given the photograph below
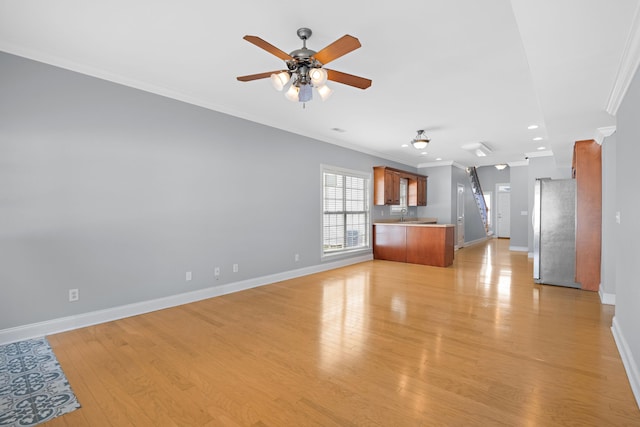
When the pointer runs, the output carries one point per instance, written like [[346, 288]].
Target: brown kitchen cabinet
[[418, 191], [427, 244], [386, 187], [587, 171]]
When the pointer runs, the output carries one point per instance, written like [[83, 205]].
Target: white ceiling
[[465, 70]]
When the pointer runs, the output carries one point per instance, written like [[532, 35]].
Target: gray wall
[[473, 226], [489, 176], [520, 224], [609, 208], [119, 192], [627, 233], [442, 200], [438, 194]]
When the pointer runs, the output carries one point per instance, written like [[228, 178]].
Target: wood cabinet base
[[414, 244]]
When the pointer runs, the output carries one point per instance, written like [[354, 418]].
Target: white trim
[[518, 163], [530, 254], [627, 68], [442, 163], [475, 242], [545, 153], [63, 324], [519, 248], [606, 298], [630, 365], [602, 133]]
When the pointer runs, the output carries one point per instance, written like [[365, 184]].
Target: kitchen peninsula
[[414, 241]]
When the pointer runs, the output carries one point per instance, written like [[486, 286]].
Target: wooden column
[[587, 170]]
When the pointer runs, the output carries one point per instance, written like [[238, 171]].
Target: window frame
[[403, 208], [367, 176]]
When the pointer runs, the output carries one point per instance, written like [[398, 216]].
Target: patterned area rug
[[33, 388]]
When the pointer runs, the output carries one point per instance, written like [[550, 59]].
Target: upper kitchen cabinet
[[418, 191], [386, 187]]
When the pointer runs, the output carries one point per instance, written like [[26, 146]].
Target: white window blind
[[345, 218]]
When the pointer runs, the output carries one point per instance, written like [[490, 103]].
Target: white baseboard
[[605, 298], [63, 324], [519, 248], [630, 365], [480, 240]]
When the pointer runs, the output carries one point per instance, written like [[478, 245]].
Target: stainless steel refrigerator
[[554, 232]]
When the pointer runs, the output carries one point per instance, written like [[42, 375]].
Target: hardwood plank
[[376, 343]]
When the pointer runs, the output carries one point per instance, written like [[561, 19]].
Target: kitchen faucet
[[402, 212]]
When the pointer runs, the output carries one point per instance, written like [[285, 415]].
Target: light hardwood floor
[[377, 343]]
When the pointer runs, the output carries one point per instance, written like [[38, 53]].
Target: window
[[401, 209], [345, 206]]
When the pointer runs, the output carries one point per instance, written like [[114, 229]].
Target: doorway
[[503, 211], [460, 217]]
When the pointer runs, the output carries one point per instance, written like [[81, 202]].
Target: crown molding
[[628, 66], [545, 153], [602, 133], [442, 163]]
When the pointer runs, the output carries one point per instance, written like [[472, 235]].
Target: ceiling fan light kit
[[305, 68], [279, 80]]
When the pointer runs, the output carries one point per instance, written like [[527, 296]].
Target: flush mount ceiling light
[[420, 141], [477, 148], [305, 68], [500, 166]]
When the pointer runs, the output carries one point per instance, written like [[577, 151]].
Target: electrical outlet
[[74, 295], [296, 258], [188, 276], [235, 268], [216, 272]]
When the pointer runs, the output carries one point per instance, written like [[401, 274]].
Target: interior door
[[503, 215], [460, 217]]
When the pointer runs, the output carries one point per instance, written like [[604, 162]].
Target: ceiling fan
[[305, 67]]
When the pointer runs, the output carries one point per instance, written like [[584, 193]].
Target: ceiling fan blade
[[335, 50], [258, 76], [268, 47], [348, 79]]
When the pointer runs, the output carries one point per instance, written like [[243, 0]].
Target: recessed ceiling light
[[404, 145], [542, 148], [424, 153], [537, 138], [531, 127], [439, 158]]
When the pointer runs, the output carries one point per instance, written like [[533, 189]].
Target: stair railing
[[478, 196]]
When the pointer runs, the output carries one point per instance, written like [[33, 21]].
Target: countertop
[[413, 222]]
